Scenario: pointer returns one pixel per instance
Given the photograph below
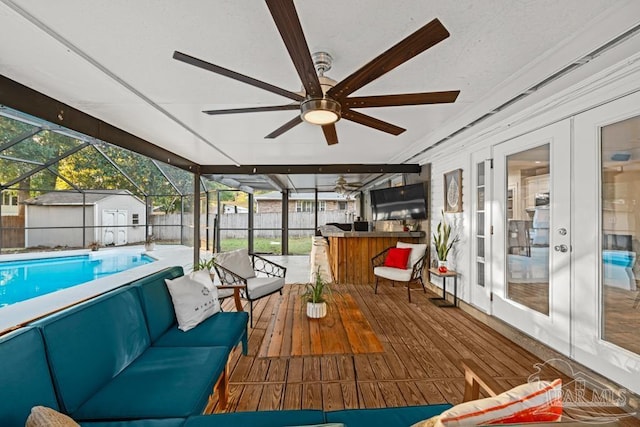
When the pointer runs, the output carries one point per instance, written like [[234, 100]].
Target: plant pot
[[316, 310], [442, 266], [149, 246]]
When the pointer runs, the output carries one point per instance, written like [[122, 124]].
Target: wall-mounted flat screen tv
[[405, 202]]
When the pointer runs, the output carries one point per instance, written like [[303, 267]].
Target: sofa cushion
[[417, 251], [25, 380], [236, 261], [258, 419], [223, 329], [392, 273], [41, 416], [404, 416], [91, 343], [161, 422], [156, 301], [194, 297], [257, 287], [164, 382]]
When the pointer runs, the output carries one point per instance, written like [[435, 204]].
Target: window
[[135, 219], [342, 206], [322, 205], [304, 206], [10, 198]]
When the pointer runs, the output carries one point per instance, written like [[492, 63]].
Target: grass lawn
[[297, 245]]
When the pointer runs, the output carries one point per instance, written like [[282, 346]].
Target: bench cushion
[[90, 344], [223, 329], [404, 416], [258, 419], [164, 382], [156, 301], [25, 380]]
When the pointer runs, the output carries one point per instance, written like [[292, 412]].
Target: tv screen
[[406, 202]]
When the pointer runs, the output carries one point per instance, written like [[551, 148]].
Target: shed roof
[[75, 198]]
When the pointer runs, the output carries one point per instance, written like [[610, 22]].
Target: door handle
[[561, 248]]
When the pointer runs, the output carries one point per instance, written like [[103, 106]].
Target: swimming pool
[[23, 280]]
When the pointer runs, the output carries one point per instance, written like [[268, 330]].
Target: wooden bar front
[[350, 253]]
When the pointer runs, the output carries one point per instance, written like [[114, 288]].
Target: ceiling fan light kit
[[322, 112], [325, 101]]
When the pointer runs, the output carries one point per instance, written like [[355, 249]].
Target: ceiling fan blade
[[330, 134], [286, 18], [285, 127], [253, 109], [183, 57], [401, 99], [416, 43], [363, 119]]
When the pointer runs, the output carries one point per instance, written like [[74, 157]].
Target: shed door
[[114, 227]]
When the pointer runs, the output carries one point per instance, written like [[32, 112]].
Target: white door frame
[[554, 329]]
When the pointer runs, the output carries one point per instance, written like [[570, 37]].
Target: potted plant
[[95, 245], [149, 243], [443, 243], [315, 296], [206, 264]]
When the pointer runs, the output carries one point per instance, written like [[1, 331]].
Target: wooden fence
[[267, 225]]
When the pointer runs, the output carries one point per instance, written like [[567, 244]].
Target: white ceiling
[[112, 59]]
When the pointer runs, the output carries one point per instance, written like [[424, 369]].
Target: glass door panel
[[527, 249], [620, 192]]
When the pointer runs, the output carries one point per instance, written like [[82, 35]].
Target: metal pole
[[216, 224], [206, 221], [196, 218], [285, 222], [84, 220], [250, 224], [315, 221], [181, 220]]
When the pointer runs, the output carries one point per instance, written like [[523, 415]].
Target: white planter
[[316, 310], [442, 266]]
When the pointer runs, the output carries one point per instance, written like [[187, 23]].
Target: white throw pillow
[[236, 261], [194, 298]]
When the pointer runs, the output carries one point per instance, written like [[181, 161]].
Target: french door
[[481, 229], [606, 305], [531, 245]]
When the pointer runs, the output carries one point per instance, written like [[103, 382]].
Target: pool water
[[23, 280]]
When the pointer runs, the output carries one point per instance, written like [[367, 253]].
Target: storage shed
[[111, 217]]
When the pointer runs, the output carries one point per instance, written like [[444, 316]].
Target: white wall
[[57, 216]]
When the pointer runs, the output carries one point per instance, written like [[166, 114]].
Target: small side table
[[442, 301]]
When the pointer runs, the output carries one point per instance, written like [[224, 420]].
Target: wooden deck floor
[[423, 347]]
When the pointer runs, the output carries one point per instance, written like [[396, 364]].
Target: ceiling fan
[[343, 186], [325, 101]]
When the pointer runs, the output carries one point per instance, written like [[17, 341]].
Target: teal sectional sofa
[[119, 360]]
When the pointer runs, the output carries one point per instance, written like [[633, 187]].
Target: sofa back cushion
[[90, 344], [25, 380], [156, 301]]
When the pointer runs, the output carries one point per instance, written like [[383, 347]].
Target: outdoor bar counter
[[350, 252]]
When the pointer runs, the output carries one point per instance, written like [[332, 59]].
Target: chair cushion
[[88, 345], [397, 258], [25, 380], [257, 287], [393, 273], [156, 301], [258, 419], [236, 261], [164, 382], [417, 251], [225, 293], [404, 416], [194, 298], [223, 329]]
